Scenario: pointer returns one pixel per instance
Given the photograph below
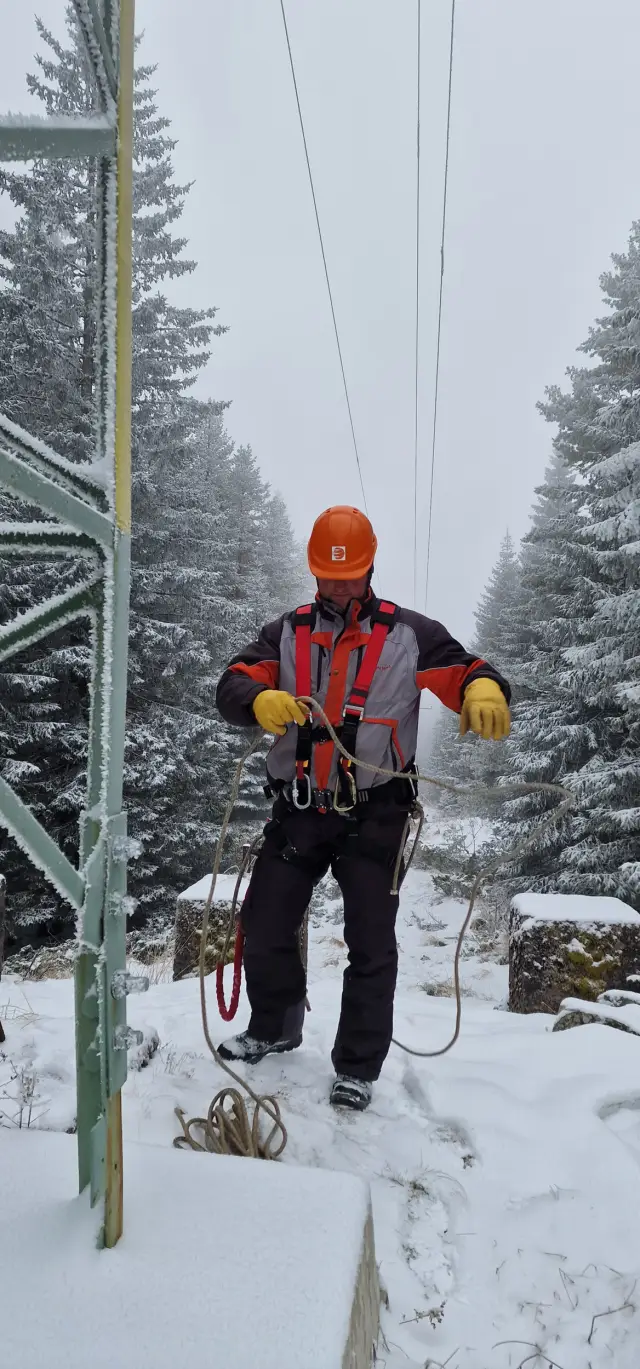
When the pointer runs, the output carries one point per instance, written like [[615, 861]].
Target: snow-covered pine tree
[[46, 349], [497, 610], [184, 541], [550, 735], [599, 433], [498, 638], [447, 758], [264, 575], [600, 413], [604, 666]]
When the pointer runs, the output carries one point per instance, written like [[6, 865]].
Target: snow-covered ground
[[505, 1175]]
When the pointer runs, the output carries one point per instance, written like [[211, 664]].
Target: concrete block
[[223, 1262], [569, 946]]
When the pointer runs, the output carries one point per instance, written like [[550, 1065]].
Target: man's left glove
[[485, 710]]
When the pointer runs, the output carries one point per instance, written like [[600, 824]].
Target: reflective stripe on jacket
[[418, 654]]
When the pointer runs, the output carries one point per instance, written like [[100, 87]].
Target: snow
[[627, 1014], [197, 1236], [582, 908], [502, 1175], [94, 471], [225, 885], [56, 121]]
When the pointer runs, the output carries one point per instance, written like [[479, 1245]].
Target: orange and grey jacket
[[418, 654]]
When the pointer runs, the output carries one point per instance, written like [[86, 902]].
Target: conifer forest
[[214, 556]]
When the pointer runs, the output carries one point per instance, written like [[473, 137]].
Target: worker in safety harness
[[366, 660]]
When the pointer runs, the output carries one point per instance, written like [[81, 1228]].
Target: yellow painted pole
[[113, 1212]]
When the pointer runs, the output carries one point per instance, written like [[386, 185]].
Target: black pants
[[299, 848]]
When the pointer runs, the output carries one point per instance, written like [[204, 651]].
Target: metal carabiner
[[345, 807], [294, 793]]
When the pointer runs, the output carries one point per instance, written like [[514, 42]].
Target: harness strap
[[303, 623], [304, 620], [382, 621], [383, 618]]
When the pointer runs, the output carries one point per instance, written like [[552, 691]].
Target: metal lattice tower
[[88, 514]]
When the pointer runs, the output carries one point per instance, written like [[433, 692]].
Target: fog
[[543, 187]]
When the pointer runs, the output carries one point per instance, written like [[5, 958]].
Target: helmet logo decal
[[338, 553]]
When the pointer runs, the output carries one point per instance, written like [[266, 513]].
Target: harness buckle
[[295, 790], [353, 711]]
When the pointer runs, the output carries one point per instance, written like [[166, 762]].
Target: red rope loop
[[228, 1013]]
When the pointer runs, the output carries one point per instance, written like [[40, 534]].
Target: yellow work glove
[[485, 710], [274, 708]]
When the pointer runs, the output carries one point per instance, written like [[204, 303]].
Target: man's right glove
[[274, 708]]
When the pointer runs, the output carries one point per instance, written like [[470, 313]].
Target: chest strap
[[383, 618]]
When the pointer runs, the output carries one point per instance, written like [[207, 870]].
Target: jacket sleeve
[[444, 666], [255, 668]]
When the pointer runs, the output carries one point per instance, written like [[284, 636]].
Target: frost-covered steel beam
[[85, 480], [40, 847], [24, 136], [92, 504], [39, 622], [44, 539], [98, 51], [21, 479]]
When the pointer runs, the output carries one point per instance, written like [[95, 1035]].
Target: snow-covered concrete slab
[[569, 945], [583, 908], [223, 893], [224, 1262]]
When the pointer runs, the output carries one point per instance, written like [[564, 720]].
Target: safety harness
[[383, 617]]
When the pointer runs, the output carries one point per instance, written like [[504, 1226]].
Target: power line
[[442, 242], [415, 430], [324, 257]]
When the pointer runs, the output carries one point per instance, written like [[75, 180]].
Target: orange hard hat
[[342, 544]]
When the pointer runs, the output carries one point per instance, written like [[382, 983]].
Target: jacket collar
[[357, 609]]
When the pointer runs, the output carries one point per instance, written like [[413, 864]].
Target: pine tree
[[469, 760], [497, 612], [605, 667], [550, 736], [47, 361], [593, 625], [182, 529], [600, 413]]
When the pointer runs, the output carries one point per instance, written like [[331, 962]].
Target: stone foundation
[[564, 947]]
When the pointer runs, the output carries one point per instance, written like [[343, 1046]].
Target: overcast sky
[[544, 184]]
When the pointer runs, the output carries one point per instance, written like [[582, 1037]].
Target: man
[[366, 661]]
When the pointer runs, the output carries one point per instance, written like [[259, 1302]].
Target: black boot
[[351, 1093], [247, 1049]]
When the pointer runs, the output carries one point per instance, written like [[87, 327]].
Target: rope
[[324, 255], [417, 346], [508, 791], [439, 334], [228, 1013], [227, 1128]]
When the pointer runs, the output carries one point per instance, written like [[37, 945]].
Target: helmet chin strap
[[364, 596]]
